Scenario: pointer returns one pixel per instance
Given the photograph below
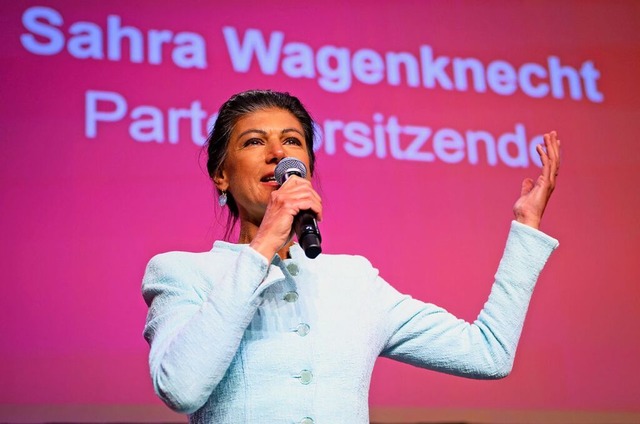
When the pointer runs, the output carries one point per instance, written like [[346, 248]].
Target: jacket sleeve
[[195, 332], [425, 335]]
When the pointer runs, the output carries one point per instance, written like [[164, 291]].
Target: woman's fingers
[[544, 158], [555, 142], [298, 194], [275, 230], [550, 158], [534, 197], [552, 145]]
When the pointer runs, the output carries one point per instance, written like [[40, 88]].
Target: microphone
[[304, 224]]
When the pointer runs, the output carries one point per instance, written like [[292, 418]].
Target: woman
[[255, 332]]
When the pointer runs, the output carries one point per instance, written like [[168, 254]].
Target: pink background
[[82, 216]]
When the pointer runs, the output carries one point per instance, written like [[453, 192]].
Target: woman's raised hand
[[535, 195], [275, 232]]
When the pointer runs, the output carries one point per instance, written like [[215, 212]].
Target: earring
[[222, 200]]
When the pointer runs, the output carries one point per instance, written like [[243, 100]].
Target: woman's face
[[256, 145]]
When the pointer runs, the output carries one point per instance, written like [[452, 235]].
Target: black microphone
[[304, 224]]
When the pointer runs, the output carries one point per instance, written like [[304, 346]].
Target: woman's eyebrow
[[263, 132], [252, 130], [286, 130]]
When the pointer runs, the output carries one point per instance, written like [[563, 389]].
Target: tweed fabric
[[236, 339]]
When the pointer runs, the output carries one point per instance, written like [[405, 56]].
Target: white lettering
[[502, 77], [558, 73], [319, 137], [116, 34], [394, 60], [148, 124], [330, 128], [156, 39], [298, 62], [93, 116], [31, 20], [414, 150], [519, 142], [460, 68], [175, 115], [368, 66], [590, 75], [335, 68], [357, 142], [190, 50], [87, 40], [334, 79], [527, 86], [394, 130], [383, 138], [448, 145], [473, 137], [379, 135], [253, 44], [434, 70], [359, 139]]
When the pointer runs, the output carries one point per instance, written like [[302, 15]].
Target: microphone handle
[[306, 228]]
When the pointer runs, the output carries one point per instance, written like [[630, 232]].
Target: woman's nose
[[275, 152]]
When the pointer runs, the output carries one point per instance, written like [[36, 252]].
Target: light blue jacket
[[235, 339]]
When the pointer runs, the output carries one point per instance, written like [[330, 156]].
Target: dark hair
[[238, 106]]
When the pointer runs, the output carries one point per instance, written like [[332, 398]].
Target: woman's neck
[[248, 232]]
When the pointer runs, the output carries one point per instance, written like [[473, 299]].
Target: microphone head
[[288, 167]]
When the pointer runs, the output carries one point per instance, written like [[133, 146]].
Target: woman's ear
[[221, 181]]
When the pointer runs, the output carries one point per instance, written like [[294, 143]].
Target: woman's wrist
[[266, 248], [530, 221]]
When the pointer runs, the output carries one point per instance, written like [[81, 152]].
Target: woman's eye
[[252, 142], [293, 141]]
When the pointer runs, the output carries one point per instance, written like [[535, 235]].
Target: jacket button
[[291, 296], [302, 329], [293, 269], [307, 420], [305, 377]]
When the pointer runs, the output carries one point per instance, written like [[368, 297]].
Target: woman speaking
[[257, 332]]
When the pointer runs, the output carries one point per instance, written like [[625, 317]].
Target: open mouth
[[268, 179]]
